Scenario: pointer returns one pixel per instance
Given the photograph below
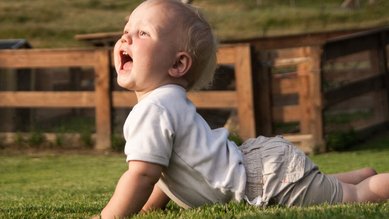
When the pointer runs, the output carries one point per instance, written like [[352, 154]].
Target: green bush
[[342, 140], [86, 138], [118, 143], [36, 139], [235, 138]]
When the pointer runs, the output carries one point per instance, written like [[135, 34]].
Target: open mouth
[[126, 59]]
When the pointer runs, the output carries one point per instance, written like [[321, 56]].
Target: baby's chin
[[124, 83]]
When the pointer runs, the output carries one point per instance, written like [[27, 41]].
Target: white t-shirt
[[202, 166]]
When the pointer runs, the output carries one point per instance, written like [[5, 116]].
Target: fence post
[[383, 56], [304, 78], [378, 63], [263, 93], [103, 100], [244, 89], [315, 119]]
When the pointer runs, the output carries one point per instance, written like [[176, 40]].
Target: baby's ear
[[181, 66]]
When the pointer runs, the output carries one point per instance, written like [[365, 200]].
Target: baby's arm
[[158, 200], [133, 189]]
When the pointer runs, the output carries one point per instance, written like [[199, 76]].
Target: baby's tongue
[[127, 65]]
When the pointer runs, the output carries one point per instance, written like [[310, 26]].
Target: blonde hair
[[199, 41]]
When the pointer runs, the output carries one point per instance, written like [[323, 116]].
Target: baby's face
[[147, 48]]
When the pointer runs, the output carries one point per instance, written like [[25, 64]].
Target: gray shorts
[[279, 173]]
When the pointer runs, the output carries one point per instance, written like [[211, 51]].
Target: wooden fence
[[292, 83], [300, 88], [289, 91], [356, 81], [102, 99], [275, 83]]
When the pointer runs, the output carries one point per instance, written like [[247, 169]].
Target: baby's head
[[198, 40], [184, 31]]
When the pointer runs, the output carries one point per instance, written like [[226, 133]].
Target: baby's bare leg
[[356, 176], [373, 189]]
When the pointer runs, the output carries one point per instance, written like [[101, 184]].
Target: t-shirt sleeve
[[149, 135]]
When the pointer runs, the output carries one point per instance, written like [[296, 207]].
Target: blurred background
[[54, 23], [278, 30]]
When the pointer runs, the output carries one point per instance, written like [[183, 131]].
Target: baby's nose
[[125, 39]]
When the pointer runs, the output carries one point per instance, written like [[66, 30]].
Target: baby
[[166, 49]]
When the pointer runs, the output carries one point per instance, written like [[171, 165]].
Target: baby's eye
[[143, 33]]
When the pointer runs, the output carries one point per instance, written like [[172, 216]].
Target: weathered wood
[[315, 98], [353, 89], [383, 67], [285, 85], [354, 43], [47, 58], [43, 58], [379, 65], [263, 85], [304, 97], [260, 43], [202, 99], [123, 99], [226, 55], [346, 75], [341, 48], [287, 113], [303, 141], [244, 92], [293, 40], [102, 100], [214, 99], [289, 61], [372, 82], [35, 99]]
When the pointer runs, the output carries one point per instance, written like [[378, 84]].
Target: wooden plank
[[47, 99], [44, 58], [123, 99], [226, 55], [378, 60], [284, 86], [303, 141], [102, 100], [202, 99], [99, 36], [348, 45], [262, 43], [383, 67], [293, 40], [289, 61], [214, 99], [238, 55], [244, 90], [304, 97], [290, 113], [262, 78], [347, 75], [315, 98], [353, 89]]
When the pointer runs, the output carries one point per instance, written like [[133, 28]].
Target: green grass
[[47, 23], [56, 186], [70, 185]]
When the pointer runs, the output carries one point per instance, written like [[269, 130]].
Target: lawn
[[52, 24], [71, 185]]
